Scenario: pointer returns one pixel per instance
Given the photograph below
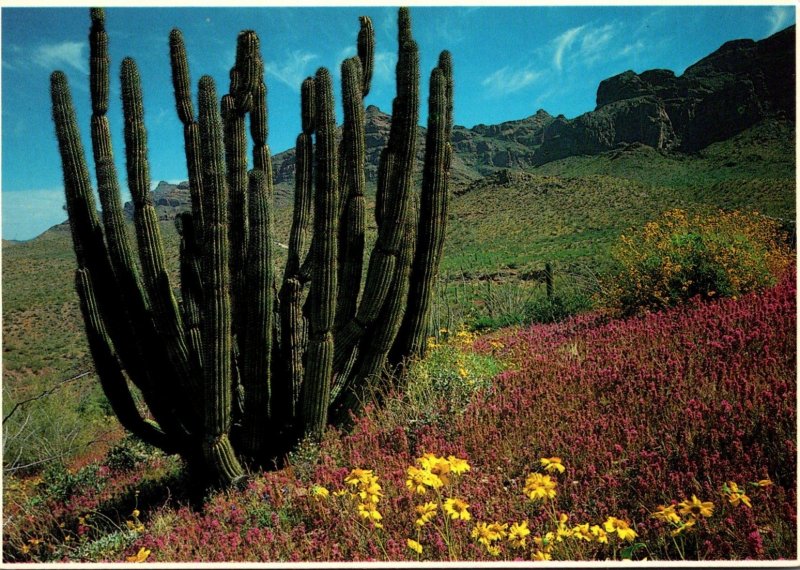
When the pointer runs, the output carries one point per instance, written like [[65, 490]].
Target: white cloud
[[588, 44], [778, 18], [294, 71], [633, 48], [594, 43], [28, 213], [506, 80], [54, 56], [562, 43]]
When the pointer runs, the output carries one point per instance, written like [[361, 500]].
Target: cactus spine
[[238, 371]]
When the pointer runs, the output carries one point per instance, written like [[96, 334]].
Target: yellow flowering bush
[[681, 255]]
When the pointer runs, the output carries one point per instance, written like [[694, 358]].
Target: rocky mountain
[[740, 84], [732, 89]]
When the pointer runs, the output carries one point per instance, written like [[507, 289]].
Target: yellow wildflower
[[482, 534], [25, 549], [764, 483], [140, 556], [696, 508], [562, 530], [552, 464], [319, 492], [684, 527], [666, 513], [439, 466], [368, 511], [493, 550], [339, 493], [359, 477], [539, 555], [426, 513], [540, 487], [457, 466], [371, 493], [599, 534], [419, 479], [582, 532], [622, 528], [498, 530], [414, 545], [736, 496], [135, 513], [457, 509], [518, 534]]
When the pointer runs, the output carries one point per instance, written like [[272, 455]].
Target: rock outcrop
[[740, 84]]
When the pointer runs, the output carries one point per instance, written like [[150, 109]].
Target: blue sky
[[508, 63]]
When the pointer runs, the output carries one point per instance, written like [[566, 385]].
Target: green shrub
[[680, 256], [127, 454]]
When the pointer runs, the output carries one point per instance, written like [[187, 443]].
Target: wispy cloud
[[294, 70], [588, 44], [595, 43], [507, 80], [562, 43], [778, 18], [69, 54], [11, 53]]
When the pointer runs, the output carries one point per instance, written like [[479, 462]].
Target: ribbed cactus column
[[256, 372], [322, 294], [165, 308], [217, 449], [131, 327], [411, 340], [293, 325], [191, 130], [385, 265], [115, 387], [352, 226]]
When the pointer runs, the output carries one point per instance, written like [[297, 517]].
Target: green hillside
[[502, 229]]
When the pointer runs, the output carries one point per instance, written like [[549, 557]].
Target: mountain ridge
[[735, 87]]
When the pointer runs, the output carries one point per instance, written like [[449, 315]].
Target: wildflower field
[[667, 436]]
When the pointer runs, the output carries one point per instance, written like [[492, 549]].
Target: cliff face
[[735, 87]]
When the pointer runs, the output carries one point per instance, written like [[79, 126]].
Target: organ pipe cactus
[[237, 368]]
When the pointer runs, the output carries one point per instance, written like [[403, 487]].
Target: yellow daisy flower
[[140, 556], [540, 487], [599, 534], [457, 509], [552, 464], [582, 532], [359, 476], [518, 534], [666, 513], [414, 545], [621, 527], [696, 508], [426, 513], [736, 496], [458, 466], [539, 555]]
